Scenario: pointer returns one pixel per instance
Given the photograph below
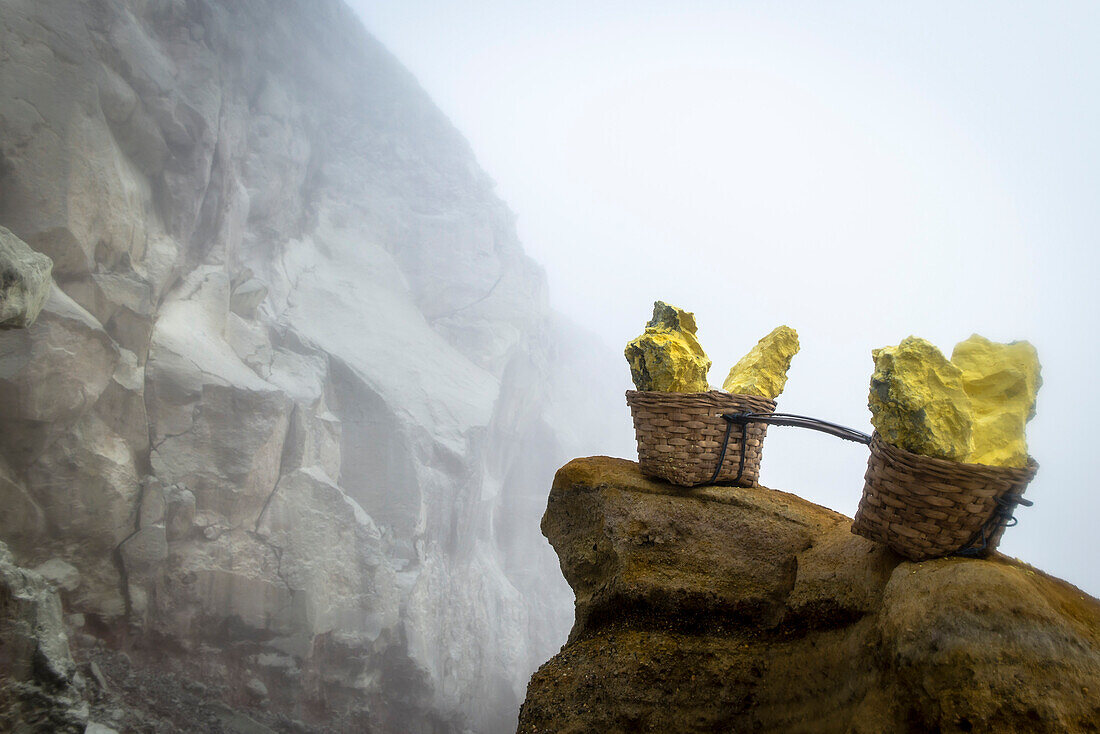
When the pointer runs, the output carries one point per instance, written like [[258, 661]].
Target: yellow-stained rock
[[763, 371], [1001, 381], [668, 357], [866, 643], [918, 402]]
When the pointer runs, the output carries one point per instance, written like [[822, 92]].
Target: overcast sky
[[861, 171]]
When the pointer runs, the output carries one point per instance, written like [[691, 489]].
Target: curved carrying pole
[[776, 419], [800, 421], [1002, 516]]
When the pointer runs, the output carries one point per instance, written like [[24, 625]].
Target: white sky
[[861, 171]]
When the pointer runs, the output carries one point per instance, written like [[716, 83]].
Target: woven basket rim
[[695, 397], [1004, 473]]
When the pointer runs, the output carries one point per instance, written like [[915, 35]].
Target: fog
[[859, 171]]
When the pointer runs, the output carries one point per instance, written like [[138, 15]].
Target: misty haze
[[313, 399]]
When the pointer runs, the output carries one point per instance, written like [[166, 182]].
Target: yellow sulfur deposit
[[668, 357], [917, 401], [972, 408], [1001, 381], [763, 371]]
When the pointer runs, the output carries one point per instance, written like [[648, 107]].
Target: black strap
[[1002, 517], [725, 445]]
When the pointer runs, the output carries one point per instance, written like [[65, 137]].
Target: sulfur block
[[668, 356], [1002, 381], [763, 371], [918, 401]]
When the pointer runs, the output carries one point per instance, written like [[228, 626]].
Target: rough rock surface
[[24, 282], [763, 371], [282, 290], [1001, 381], [730, 609], [667, 357], [917, 401], [39, 682]]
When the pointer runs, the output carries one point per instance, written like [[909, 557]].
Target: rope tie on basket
[[776, 419], [730, 419], [1002, 517]]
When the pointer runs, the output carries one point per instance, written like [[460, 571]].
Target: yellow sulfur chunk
[[670, 318], [917, 401], [1001, 381], [763, 371], [668, 357]]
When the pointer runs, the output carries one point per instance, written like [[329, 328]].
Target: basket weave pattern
[[680, 435], [924, 507]]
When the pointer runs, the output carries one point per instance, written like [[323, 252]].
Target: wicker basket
[[924, 507], [680, 436]]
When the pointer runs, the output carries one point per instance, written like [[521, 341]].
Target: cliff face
[[729, 609], [286, 409]]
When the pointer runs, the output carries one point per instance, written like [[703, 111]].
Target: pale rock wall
[[296, 385]]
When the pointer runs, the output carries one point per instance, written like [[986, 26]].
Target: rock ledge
[[730, 609]]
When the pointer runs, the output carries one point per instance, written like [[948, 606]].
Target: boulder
[[918, 402], [732, 609], [1001, 381], [256, 687], [668, 356], [24, 282], [621, 539], [763, 371]]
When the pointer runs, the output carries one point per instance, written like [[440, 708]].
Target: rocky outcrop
[[293, 371], [730, 609]]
